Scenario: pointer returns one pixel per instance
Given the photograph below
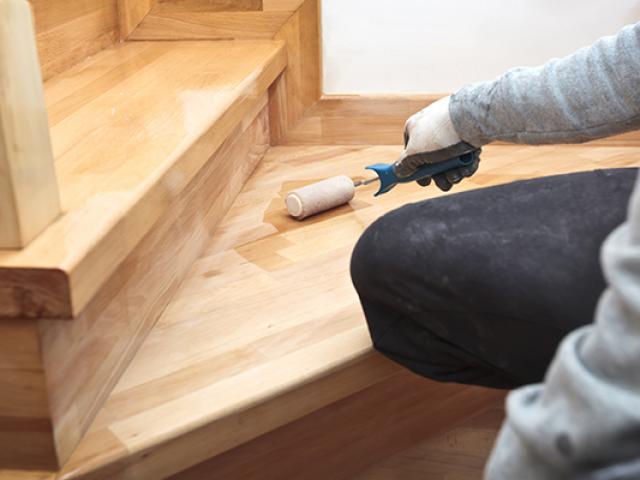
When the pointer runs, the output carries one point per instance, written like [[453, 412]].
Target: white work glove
[[430, 137]]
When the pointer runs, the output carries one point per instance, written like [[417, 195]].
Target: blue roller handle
[[389, 179]]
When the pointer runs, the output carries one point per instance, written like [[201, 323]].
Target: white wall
[[436, 46]]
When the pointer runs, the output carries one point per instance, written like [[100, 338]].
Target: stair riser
[[342, 439], [84, 357], [239, 427], [26, 432]]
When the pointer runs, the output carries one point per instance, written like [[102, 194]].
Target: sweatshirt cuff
[[463, 108]]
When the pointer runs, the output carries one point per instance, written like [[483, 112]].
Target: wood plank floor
[[269, 309]]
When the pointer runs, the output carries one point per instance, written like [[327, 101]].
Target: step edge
[[361, 359], [66, 306]]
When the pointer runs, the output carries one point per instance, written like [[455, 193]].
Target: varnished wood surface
[[375, 120], [68, 31], [29, 199], [198, 19], [266, 327], [300, 86], [54, 375], [121, 316], [459, 454], [131, 13], [356, 120], [130, 128], [344, 438], [26, 428]]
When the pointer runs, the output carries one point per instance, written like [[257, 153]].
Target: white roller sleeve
[[321, 196]]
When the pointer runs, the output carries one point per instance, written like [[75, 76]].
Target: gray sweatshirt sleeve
[[585, 419], [591, 94]]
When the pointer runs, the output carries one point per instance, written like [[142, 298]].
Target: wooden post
[[29, 198]]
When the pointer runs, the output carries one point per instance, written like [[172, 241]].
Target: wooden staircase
[[161, 327]]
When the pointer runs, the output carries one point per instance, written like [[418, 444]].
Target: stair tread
[[266, 327], [268, 309], [130, 127]]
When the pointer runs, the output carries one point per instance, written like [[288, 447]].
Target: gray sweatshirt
[[584, 420]]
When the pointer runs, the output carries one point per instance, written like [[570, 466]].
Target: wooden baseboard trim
[[357, 119], [378, 120]]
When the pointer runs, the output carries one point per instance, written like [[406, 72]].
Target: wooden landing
[[267, 327], [130, 128]]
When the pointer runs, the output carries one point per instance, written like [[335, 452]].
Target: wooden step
[[267, 328], [152, 142], [264, 346], [130, 128]]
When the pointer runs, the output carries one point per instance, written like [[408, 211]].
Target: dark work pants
[[481, 286]]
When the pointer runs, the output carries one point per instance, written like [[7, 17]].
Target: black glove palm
[[444, 181]]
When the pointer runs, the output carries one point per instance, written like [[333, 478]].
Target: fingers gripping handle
[[388, 178]]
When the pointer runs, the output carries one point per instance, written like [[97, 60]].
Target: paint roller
[[333, 192]]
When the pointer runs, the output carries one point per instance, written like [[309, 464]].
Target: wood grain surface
[[376, 120], [26, 428], [342, 439], [68, 31], [84, 357], [356, 120], [198, 19], [130, 14], [458, 454], [300, 86], [266, 327], [130, 128]]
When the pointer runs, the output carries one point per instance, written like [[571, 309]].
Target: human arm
[[590, 94]]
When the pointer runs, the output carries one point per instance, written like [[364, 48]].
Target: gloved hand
[[430, 137]]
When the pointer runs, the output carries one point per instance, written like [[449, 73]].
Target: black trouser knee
[[480, 287]]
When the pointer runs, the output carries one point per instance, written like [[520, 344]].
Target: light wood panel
[[300, 86], [357, 120], [459, 454], [295, 22], [375, 120], [221, 415], [84, 357], [197, 19], [266, 327], [131, 13], [26, 429], [341, 439], [29, 199], [130, 128], [68, 31], [25, 475], [210, 5]]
